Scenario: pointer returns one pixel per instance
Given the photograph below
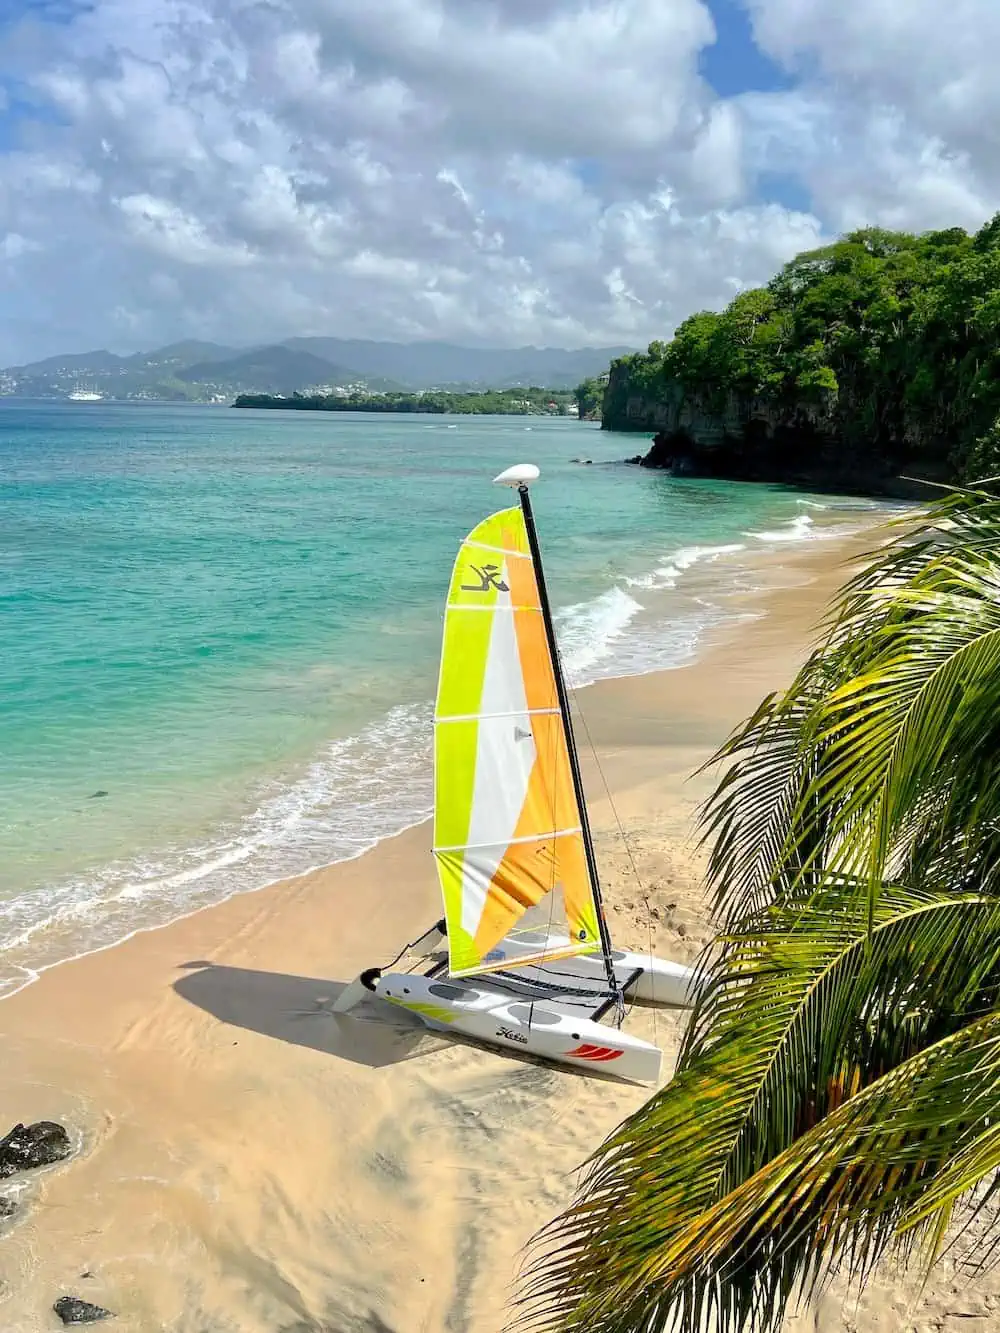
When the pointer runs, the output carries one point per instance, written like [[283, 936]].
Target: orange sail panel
[[507, 827]]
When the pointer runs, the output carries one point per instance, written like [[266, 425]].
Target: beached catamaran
[[530, 964]]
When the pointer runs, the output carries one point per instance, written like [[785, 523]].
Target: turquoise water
[[228, 623]]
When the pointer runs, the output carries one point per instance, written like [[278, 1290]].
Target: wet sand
[[249, 1161]]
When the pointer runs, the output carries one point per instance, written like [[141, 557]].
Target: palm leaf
[[884, 1168], [795, 1023], [838, 1091]]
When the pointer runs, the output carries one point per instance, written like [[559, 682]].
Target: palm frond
[[892, 717], [881, 1169], [807, 1008], [838, 1090]]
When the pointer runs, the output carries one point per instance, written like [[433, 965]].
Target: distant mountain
[[185, 353], [201, 371], [430, 365], [75, 363], [277, 369]]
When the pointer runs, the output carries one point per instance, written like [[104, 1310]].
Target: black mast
[[574, 762]]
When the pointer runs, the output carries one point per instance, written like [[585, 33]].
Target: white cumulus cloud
[[548, 171]]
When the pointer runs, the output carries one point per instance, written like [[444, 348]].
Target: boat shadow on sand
[[299, 1010]]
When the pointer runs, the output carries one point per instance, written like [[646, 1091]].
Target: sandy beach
[[247, 1160]]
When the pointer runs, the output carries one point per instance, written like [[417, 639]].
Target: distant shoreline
[[491, 402]]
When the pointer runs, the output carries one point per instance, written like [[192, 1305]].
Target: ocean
[[219, 632]]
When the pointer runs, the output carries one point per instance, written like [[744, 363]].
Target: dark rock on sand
[[71, 1310], [8, 1207], [28, 1146]]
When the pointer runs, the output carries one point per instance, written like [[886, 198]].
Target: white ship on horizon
[[79, 395]]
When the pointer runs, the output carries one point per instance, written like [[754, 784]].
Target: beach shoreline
[[248, 1160]]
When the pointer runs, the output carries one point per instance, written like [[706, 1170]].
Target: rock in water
[[8, 1207], [29, 1146], [71, 1310]]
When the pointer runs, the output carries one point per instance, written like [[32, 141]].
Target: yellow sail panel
[[507, 833]]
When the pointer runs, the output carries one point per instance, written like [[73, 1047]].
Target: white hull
[[536, 1028], [555, 1026], [661, 982]]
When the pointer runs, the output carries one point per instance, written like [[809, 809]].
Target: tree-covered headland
[[490, 402], [875, 355]]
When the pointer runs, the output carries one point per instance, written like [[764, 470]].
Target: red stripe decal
[[590, 1052]]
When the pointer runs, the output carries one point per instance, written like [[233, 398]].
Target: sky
[[553, 172]]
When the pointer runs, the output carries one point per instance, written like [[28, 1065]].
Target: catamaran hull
[[532, 1027], [660, 981]]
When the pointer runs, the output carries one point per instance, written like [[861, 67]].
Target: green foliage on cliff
[[896, 337], [589, 395], [492, 402]]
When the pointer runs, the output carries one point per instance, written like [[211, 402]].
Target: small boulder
[[71, 1310], [28, 1146], [8, 1206], [636, 458]]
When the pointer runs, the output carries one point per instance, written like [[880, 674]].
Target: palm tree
[[838, 1093]]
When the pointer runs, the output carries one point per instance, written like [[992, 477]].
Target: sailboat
[[523, 957]]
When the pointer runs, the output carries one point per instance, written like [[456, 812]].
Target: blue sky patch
[[779, 187], [734, 63], [48, 11]]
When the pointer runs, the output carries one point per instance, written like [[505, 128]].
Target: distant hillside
[[430, 365], [76, 363], [185, 354], [199, 371], [276, 369]]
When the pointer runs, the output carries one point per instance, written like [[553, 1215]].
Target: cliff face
[[743, 438], [709, 426]]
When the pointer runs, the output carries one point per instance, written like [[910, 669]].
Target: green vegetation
[[589, 396], [838, 1093], [493, 402], [893, 339]]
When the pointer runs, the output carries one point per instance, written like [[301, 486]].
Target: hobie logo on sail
[[489, 576]]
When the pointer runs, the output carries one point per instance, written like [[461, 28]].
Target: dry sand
[[248, 1161]]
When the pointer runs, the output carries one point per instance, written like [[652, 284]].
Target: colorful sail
[[507, 827]]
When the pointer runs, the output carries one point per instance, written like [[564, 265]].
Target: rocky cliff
[[743, 438], [872, 358]]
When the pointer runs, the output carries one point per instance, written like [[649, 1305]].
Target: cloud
[[549, 171], [900, 101]]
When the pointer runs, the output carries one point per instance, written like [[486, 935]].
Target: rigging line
[[622, 1009], [406, 949], [621, 829]]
